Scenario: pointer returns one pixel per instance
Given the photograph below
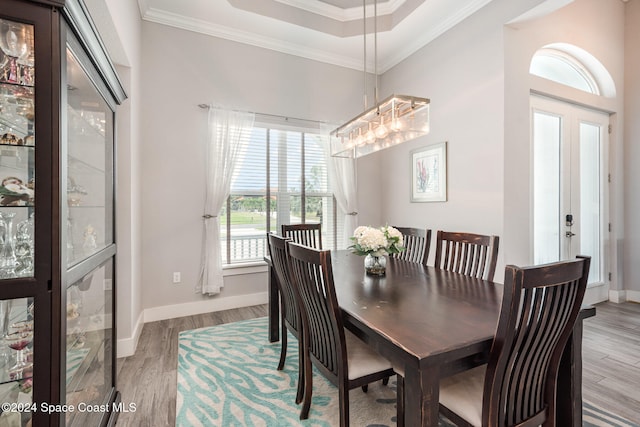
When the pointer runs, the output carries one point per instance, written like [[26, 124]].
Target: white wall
[[181, 70], [632, 150], [462, 74], [596, 26], [477, 78]]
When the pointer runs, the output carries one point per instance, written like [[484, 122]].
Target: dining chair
[[470, 254], [290, 318], [416, 242], [305, 234], [339, 355], [518, 385]]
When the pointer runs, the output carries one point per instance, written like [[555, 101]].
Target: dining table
[[431, 323]]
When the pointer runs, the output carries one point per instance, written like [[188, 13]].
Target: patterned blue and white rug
[[227, 377]]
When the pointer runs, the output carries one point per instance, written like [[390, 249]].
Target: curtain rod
[[285, 118]]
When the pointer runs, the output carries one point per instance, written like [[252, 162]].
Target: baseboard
[[127, 346], [633, 296], [199, 307], [597, 294], [624, 295]]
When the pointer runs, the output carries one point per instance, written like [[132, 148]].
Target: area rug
[[227, 377]]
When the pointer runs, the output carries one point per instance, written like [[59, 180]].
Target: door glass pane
[[16, 359], [590, 179], [88, 186], [89, 343], [546, 187], [17, 149]]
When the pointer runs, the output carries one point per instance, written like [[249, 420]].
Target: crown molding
[[221, 31], [430, 35], [340, 14]]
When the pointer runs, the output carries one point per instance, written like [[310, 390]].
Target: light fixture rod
[[375, 49], [364, 65]]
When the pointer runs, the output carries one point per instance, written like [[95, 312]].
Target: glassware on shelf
[[5, 311], [24, 247], [8, 260], [18, 341]]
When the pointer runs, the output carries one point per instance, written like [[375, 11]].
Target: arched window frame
[[568, 61]]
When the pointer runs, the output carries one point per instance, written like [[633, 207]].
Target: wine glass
[[18, 340]]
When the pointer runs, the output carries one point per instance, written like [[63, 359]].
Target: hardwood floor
[[149, 377], [611, 359]]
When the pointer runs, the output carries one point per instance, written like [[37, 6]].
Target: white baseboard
[[597, 294], [633, 296], [127, 346], [617, 296], [199, 307]]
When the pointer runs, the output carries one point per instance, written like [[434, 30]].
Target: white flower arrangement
[[376, 241]]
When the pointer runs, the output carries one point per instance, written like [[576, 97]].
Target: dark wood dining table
[[432, 323]]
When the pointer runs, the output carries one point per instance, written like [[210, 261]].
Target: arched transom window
[[572, 66]]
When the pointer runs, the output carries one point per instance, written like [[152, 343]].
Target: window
[[281, 178]]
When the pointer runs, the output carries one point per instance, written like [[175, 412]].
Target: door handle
[[569, 234]]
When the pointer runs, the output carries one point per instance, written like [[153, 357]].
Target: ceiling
[[329, 31]]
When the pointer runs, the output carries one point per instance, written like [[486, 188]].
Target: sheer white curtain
[[343, 178], [227, 135]]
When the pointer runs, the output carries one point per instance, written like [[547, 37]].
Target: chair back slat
[[313, 278], [305, 234], [279, 253], [539, 309], [470, 254], [417, 242]]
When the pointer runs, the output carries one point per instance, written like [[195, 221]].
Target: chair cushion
[[362, 359], [462, 394]]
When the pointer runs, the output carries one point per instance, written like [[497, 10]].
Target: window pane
[[271, 169], [248, 228], [546, 203], [590, 197]]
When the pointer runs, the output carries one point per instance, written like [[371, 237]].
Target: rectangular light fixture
[[397, 119]]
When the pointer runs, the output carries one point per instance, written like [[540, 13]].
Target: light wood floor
[[611, 358]]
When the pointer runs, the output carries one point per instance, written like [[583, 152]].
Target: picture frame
[[429, 173]]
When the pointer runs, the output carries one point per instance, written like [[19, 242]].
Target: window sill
[[244, 268]]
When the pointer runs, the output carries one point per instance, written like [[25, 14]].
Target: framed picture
[[429, 173]]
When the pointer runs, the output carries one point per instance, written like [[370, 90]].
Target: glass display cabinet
[[58, 97]]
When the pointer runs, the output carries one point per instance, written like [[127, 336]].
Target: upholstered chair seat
[[462, 393]]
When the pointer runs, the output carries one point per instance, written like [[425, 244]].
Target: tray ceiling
[[329, 31]]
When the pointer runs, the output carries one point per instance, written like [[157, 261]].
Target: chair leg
[[343, 395], [300, 393], [400, 401], [308, 386], [365, 388], [283, 343]]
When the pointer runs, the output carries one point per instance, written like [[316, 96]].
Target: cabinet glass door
[[88, 178], [87, 240], [17, 149], [89, 342], [17, 204]]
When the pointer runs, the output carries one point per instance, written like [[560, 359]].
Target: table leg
[[569, 394], [274, 306], [421, 397]]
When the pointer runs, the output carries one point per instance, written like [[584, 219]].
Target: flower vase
[[375, 265]]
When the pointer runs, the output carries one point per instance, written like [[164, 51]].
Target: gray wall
[[181, 70], [632, 150]]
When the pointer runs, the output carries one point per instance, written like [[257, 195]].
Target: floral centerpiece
[[375, 243]]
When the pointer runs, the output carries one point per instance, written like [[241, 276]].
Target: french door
[[570, 184]]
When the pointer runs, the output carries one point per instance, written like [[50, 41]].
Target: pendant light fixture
[[396, 119]]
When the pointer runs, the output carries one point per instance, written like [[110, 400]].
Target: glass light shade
[[397, 119]]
